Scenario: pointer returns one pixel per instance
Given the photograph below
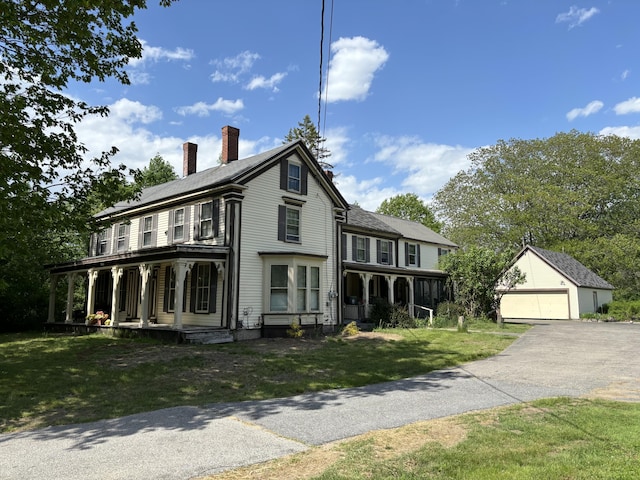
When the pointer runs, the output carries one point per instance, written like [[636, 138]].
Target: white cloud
[[630, 132], [156, 54], [202, 109], [576, 16], [353, 65], [624, 75], [368, 193], [266, 83], [427, 166], [230, 69], [628, 106], [129, 111], [590, 109]]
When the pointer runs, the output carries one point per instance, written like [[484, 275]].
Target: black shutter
[[282, 223], [354, 248], [196, 222], [154, 230], [367, 246], [167, 282], [378, 251], [93, 244], [216, 217], [406, 254], [194, 284], [213, 288], [390, 253], [187, 223], [418, 254], [172, 216], [284, 174], [304, 173], [344, 246], [108, 238]]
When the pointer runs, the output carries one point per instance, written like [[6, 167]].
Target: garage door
[[545, 306]]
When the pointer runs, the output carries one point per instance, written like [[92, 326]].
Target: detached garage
[[557, 287]]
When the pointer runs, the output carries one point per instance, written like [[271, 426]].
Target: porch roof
[[150, 255], [352, 267]]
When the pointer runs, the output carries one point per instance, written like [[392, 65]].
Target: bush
[[295, 331], [450, 311], [380, 312], [624, 310], [398, 318], [350, 330]]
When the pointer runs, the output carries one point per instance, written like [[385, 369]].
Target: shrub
[[350, 330], [624, 310], [295, 331], [380, 312], [450, 311]]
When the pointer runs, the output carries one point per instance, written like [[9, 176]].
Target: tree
[[47, 186], [475, 273], [573, 192], [409, 207], [159, 171], [307, 131]]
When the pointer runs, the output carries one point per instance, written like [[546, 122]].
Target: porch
[[166, 333]]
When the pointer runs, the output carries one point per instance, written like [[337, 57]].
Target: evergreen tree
[[307, 131]]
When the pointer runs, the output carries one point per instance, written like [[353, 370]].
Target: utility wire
[[321, 53], [324, 123]]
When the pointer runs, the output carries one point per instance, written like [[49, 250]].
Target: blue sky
[[413, 86]]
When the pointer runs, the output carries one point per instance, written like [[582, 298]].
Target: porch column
[[92, 276], [181, 269], [116, 274], [53, 283], [145, 273], [391, 280], [411, 299], [71, 278]]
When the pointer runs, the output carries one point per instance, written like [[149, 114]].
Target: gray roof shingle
[[357, 217], [572, 269], [414, 230]]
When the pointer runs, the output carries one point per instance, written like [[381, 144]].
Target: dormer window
[[293, 178]]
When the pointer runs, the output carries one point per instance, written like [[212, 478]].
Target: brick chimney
[[189, 154], [230, 137]]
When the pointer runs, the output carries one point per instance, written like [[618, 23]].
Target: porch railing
[[355, 313], [420, 309]]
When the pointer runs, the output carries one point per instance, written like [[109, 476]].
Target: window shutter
[[378, 251], [114, 238], [167, 280], [187, 222], [418, 254], [140, 228], [194, 284], [109, 235], [127, 231], [154, 231], [282, 223], [284, 173], [213, 288], [216, 217], [344, 246], [354, 248], [93, 244], [196, 222], [406, 254], [172, 216], [390, 253], [304, 173], [367, 246]]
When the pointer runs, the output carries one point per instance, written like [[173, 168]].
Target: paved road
[[554, 359]]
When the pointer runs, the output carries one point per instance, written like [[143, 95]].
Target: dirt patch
[[387, 444], [389, 337], [621, 391]]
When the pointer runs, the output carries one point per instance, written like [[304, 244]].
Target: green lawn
[[51, 379], [554, 439]]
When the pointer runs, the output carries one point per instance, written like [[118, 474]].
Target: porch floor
[[159, 331]]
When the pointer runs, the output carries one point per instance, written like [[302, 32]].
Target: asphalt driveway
[[552, 359]]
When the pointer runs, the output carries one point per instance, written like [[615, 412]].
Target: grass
[[53, 379], [568, 439]]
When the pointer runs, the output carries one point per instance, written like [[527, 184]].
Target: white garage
[[556, 287]]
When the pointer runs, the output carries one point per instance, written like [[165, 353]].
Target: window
[[293, 178], [121, 244], [279, 288], [314, 292], [361, 249], [147, 231], [293, 225], [206, 220], [301, 293], [412, 255], [384, 253], [103, 242], [443, 251], [170, 291], [178, 225], [203, 286]]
